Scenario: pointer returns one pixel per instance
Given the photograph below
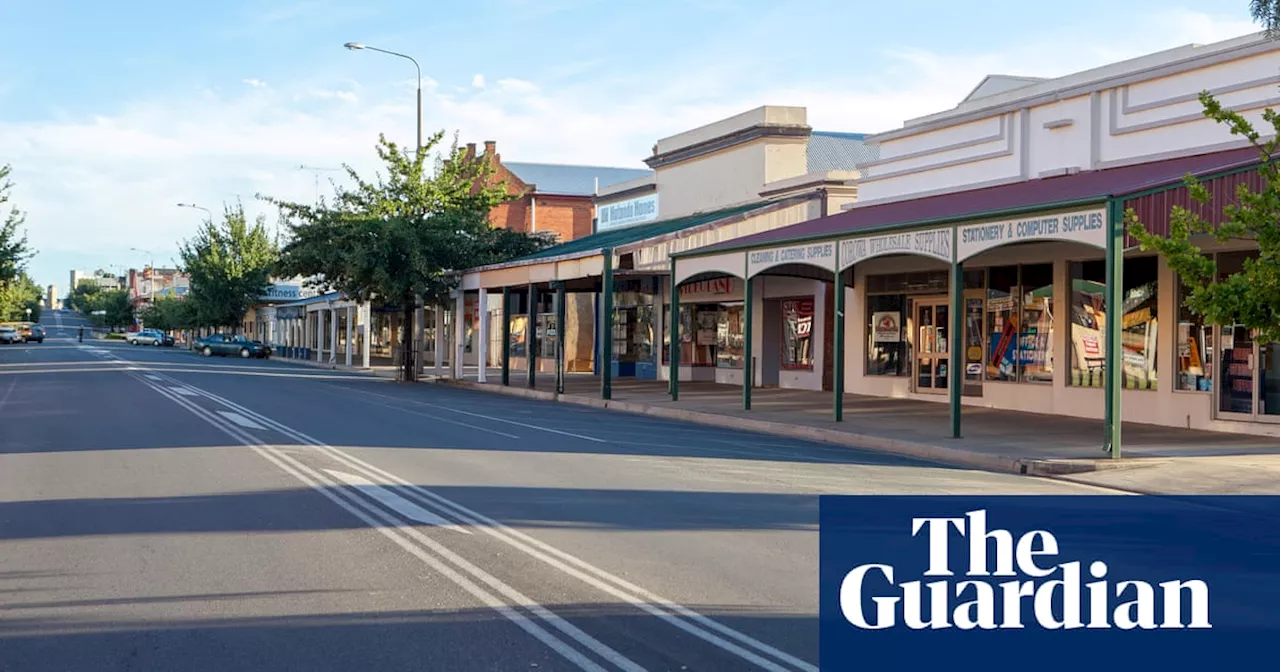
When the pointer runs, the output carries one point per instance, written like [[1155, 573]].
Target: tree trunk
[[408, 356]]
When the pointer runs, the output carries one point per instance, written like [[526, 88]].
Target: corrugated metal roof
[[565, 180], [974, 203], [828, 150], [631, 234]]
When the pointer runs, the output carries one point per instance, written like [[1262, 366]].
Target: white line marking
[[184, 391], [154, 377], [379, 520], [671, 612], [395, 502], [240, 420], [436, 417]]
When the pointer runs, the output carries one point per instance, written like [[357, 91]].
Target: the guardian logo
[[1037, 588]]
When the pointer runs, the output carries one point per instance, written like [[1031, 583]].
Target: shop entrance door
[[1249, 385], [932, 345]]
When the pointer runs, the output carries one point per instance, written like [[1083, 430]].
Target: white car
[[9, 335]]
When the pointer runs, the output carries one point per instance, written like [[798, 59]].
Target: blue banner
[[1081, 583]]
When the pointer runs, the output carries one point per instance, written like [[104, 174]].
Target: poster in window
[[887, 327]]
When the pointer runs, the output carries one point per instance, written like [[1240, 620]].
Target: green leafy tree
[[169, 314], [1267, 13], [229, 263], [14, 252], [1251, 296], [80, 297], [17, 295], [406, 233]]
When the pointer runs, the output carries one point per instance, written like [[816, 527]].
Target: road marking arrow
[[395, 502]]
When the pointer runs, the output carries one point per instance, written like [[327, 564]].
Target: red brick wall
[[569, 217]]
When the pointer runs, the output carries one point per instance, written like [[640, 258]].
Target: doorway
[[932, 346], [1249, 388]]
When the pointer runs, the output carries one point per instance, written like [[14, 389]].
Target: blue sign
[[1074, 583]]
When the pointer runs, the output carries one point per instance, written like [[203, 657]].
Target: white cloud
[[255, 83], [97, 185]]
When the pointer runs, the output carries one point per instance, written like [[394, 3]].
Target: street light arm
[[396, 53]]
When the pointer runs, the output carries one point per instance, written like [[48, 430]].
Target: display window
[[1139, 323], [797, 333], [730, 336]]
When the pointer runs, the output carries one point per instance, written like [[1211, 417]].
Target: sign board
[[634, 211], [288, 293], [886, 327], [822, 255], [717, 287], [935, 243], [1088, 227]]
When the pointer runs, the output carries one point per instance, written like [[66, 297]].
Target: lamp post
[[197, 207], [315, 172], [357, 46]]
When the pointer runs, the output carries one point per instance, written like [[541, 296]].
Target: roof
[[828, 150], [995, 84], [565, 180], [632, 234], [1097, 185]]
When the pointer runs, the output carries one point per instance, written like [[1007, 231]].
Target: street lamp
[[357, 46], [315, 172], [197, 207]]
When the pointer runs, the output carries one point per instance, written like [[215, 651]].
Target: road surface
[[164, 511]]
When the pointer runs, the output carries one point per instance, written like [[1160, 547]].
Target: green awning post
[[1114, 361], [561, 296], [748, 346], [606, 328], [531, 338], [506, 336], [673, 356], [956, 342], [837, 348]]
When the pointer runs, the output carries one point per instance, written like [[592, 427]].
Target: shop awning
[[1091, 186]]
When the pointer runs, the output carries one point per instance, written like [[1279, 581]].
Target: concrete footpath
[[1155, 460]]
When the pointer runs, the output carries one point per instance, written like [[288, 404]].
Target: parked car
[[150, 337], [33, 332], [10, 335], [230, 345]]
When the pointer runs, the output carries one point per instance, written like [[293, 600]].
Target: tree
[[1251, 296], [14, 252], [230, 264], [17, 295], [1267, 12], [169, 314], [80, 297], [405, 234]]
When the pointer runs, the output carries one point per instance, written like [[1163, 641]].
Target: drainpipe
[[533, 219], [822, 193]]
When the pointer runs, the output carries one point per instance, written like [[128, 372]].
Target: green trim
[[673, 328], [748, 370], [506, 336], [860, 233], [561, 297], [956, 342], [531, 338], [1113, 368], [838, 346], [606, 327]]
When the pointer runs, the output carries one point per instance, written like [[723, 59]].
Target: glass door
[[932, 320], [1250, 386]]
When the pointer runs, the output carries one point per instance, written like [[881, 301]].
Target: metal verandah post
[[606, 327], [748, 369], [673, 354], [506, 336], [531, 338], [561, 295], [838, 347], [956, 343], [1114, 361]]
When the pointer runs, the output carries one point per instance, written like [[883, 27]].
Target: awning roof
[[599, 242], [1096, 184]]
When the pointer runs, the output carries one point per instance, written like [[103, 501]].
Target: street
[[163, 511]]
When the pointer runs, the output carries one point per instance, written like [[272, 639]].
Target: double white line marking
[[727, 639]]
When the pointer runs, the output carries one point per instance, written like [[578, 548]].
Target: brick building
[[553, 197]]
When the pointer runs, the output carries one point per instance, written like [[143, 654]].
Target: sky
[[112, 113]]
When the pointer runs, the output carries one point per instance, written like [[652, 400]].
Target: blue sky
[[111, 113]]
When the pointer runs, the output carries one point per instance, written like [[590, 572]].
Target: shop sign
[[626, 213], [886, 327], [287, 293], [935, 243], [822, 255], [1087, 227], [716, 287]]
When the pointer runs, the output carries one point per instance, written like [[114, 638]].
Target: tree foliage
[[1267, 13], [1251, 296], [405, 233], [169, 314], [116, 305], [14, 252], [230, 264], [17, 295]]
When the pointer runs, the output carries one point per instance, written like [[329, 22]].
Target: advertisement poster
[[887, 327]]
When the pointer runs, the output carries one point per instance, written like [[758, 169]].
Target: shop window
[[1195, 349], [797, 333], [1002, 324], [886, 347], [1035, 341], [1138, 323], [633, 327], [697, 335], [730, 336]]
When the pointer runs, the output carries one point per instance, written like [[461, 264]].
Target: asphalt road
[[163, 511]]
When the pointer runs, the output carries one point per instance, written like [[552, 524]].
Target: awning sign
[[822, 255], [1088, 227], [935, 243]]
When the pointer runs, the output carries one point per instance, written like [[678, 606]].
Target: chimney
[[471, 150], [491, 150]]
